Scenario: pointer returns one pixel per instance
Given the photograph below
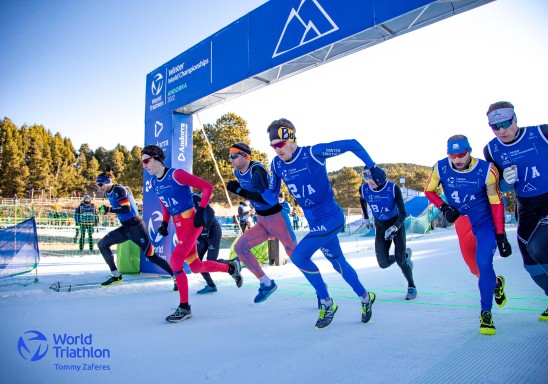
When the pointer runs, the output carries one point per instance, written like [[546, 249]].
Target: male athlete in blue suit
[[303, 170]]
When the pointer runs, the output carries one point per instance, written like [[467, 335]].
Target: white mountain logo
[[307, 23]]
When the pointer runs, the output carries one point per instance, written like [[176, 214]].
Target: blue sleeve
[[337, 148], [270, 195]]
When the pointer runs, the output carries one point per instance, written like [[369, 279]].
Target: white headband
[[499, 115]]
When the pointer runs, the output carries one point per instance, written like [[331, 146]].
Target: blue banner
[[172, 133], [277, 32]]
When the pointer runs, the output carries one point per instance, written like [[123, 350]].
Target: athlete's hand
[[450, 213], [162, 230], [104, 209], [259, 182], [233, 186], [510, 174], [390, 233], [505, 249], [199, 217], [367, 223]]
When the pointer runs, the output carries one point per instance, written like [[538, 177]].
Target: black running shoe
[[326, 314], [486, 324], [179, 315], [500, 296], [113, 280], [175, 289], [237, 267]]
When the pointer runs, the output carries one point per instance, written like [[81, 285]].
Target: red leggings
[[186, 250], [467, 242]]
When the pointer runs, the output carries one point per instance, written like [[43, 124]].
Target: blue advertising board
[[173, 133]]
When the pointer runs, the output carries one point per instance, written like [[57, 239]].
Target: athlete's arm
[[270, 195], [123, 199], [402, 213], [495, 200], [337, 148], [504, 186], [185, 178], [430, 191]]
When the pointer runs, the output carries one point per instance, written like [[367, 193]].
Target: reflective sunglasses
[[279, 144], [366, 174], [503, 124], [100, 184], [146, 161], [457, 155], [234, 156]]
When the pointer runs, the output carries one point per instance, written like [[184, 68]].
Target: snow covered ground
[[229, 339]]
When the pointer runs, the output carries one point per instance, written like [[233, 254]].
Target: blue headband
[[458, 146], [103, 179]]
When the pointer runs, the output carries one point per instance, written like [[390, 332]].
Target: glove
[[258, 182], [233, 186], [163, 229], [390, 233], [367, 223], [104, 209], [505, 249], [450, 213], [510, 174], [199, 217]]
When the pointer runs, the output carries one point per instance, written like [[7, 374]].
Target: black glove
[[259, 181], [104, 209], [233, 186], [450, 213], [505, 249], [163, 229], [199, 217]]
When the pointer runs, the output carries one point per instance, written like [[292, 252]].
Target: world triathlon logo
[[157, 84], [32, 346]]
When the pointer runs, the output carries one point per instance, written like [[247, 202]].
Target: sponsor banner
[[246, 48], [173, 133]]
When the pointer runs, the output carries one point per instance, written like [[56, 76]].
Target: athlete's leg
[[529, 217], [138, 234], [467, 243], [279, 226], [114, 237], [401, 256], [249, 239], [333, 252], [484, 259], [382, 246]]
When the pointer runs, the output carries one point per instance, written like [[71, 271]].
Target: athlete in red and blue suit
[[471, 189], [173, 188]]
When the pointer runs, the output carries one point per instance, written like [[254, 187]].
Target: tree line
[[33, 160]]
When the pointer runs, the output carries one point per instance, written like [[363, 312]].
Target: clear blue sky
[[79, 68]]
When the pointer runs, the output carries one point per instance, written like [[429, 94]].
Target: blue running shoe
[[411, 293], [207, 289], [265, 291]]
